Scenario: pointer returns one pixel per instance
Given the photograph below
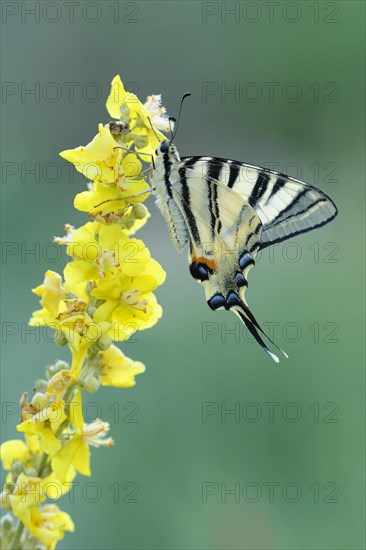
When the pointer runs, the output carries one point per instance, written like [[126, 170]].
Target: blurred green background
[[298, 473]]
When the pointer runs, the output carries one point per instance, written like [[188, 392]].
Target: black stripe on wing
[[308, 210], [187, 207], [167, 172], [260, 187], [233, 174], [213, 175], [286, 206], [279, 184]]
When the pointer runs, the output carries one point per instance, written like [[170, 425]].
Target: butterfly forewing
[[286, 206]]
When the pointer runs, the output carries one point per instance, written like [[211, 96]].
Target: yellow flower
[[52, 293], [99, 249], [118, 370], [115, 173], [99, 160], [12, 451], [45, 424], [129, 303], [59, 382], [48, 524], [33, 444], [28, 492], [126, 107], [130, 219], [54, 488], [117, 194], [101, 198], [73, 323], [75, 455], [80, 331]]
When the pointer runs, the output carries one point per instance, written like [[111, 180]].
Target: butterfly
[[227, 211]]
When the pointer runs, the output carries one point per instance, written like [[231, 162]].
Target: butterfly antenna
[[187, 94], [153, 129]]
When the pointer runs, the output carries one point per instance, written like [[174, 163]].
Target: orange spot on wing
[[211, 264]]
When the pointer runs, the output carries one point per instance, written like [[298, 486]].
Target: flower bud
[[6, 525], [59, 382], [59, 338], [104, 342], [91, 384], [61, 365], [91, 310], [17, 468], [31, 472], [39, 401], [57, 367], [139, 211], [40, 385], [5, 501]]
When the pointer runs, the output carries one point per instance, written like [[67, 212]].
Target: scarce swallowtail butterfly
[[226, 211]]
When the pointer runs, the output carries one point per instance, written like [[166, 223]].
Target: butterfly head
[[167, 151]]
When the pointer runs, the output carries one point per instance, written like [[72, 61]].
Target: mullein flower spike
[[106, 293]]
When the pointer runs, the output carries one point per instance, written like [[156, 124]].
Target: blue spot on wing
[[216, 301], [245, 260], [240, 279]]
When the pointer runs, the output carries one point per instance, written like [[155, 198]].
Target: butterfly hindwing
[[225, 236]]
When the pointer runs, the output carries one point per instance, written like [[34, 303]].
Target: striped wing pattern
[[227, 211], [285, 206], [224, 234]]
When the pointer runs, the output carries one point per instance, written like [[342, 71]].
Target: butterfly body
[[227, 211], [164, 183]]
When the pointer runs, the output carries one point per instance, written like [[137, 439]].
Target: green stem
[[68, 392], [42, 464], [17, 537]]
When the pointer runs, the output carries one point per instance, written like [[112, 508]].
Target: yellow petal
[[54, 489], [119, 370], [49, 442], [116, 97], [75, 454], [78, 357], [100, 159], [47, 524], [13, 450]]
